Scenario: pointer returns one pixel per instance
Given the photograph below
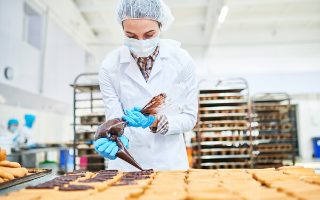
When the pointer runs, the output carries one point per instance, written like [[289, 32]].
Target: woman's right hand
[[108, 148]]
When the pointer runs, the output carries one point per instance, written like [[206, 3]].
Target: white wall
[[308, 121], [64, 60]]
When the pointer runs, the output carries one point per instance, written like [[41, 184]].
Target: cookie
[[6, 163], [3, 154], [302, 170], [4, 174], [16, 172], [290, 167]]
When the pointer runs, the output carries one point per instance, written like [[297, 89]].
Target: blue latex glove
[[108, 148], [136, 119], [32, 145]]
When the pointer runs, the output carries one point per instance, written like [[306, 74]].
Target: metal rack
[[272, 130], [88, 113], [223, 129]]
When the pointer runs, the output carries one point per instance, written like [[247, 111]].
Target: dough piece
[[16, 172], [3, 154], [6, 163], [172, 171], [1, 180], [4, 174], [302, 170], [229, 170], [290, 167], [202, 170]]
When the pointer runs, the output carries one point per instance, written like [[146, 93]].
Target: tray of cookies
[[287, 183], [11, 173], [30, 175]]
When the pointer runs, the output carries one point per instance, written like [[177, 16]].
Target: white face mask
[[142, 48]]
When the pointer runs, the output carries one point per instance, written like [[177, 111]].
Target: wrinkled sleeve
[[162, 127], [112, 105], [186, 121]]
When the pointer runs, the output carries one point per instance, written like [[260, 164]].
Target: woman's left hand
[[136, 119]]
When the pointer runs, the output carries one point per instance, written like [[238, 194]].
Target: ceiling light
[[223, 14]]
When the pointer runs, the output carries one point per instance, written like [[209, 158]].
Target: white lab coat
[[27, 133], [123, 87]]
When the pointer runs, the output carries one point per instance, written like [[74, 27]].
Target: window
[[32, 26]]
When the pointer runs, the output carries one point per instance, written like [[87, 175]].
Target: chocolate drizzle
[[154, 104], [122, 183], [76, 187]]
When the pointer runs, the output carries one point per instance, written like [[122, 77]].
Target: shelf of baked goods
[[220, 89], [274, 148], [92, 119], [271, 137], [222, 151], [270, 158], [219, 137], [221, 125], [222, 109], [223, 101], [215, 96], [274, 127], [229, 165], [262, 108], [230, 143], [224, 156], [272, 117], [212, 115]]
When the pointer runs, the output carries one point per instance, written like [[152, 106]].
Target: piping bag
[[164, 103]]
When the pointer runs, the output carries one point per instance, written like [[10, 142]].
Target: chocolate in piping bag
[[115, 128]]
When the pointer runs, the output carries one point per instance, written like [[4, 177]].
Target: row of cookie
[[292, 180], [76, 183], [228, 184], [167, 185]]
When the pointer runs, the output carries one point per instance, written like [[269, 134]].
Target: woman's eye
[[149, 35]]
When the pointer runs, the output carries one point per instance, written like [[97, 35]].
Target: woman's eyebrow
[[150, 31], [129, 32]]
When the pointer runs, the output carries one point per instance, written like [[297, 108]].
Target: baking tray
[[35, 173]]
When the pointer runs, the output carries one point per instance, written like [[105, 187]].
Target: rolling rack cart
[[223, 129], [272, 130], [88, 115]]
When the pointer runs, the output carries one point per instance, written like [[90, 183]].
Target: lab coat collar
[[133, 70]]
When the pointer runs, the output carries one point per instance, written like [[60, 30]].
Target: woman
[[134, 73]]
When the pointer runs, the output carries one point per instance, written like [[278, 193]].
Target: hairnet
[[144, 9], [12, 121], [29, 120]]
